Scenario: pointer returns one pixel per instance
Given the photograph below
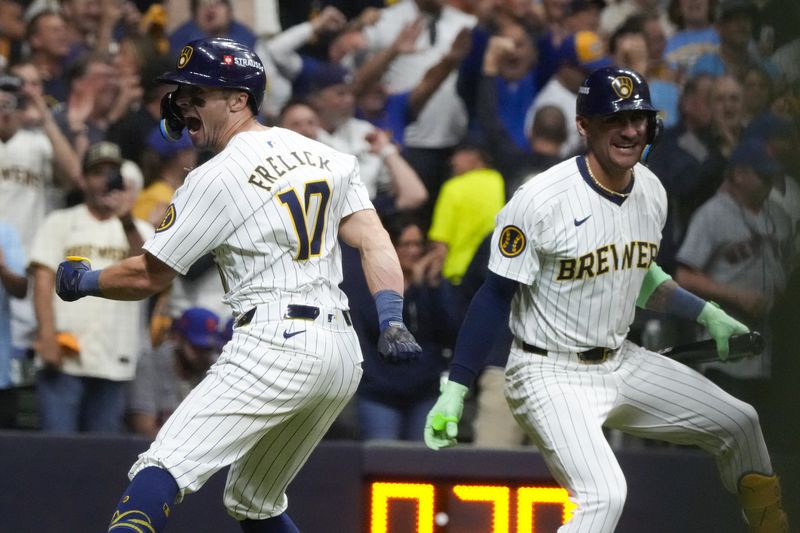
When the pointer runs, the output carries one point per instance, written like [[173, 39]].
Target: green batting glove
[[441, 426], [720, 326]]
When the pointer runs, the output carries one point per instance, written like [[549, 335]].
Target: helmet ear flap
[[654, 128], [171, 123]]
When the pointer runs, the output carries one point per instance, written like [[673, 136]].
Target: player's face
[[617, 140], [205, 112]]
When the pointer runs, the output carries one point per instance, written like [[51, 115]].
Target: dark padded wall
[[71, 484]]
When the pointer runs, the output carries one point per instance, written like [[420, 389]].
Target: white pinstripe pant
[[262, 409], [563, 404]]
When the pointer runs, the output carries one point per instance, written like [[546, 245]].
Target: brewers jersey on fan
[[26, 175], [269, 208], [580, 253]]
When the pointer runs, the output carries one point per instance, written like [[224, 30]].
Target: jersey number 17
[[309, 226]]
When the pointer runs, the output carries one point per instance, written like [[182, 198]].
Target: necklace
[[603, 187]]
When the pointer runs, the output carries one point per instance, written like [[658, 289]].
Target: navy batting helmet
[[610, 90], [213, 62]]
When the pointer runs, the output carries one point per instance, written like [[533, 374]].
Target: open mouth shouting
[[193, 125]]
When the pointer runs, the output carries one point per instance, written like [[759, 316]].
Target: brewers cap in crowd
[[584, 49]]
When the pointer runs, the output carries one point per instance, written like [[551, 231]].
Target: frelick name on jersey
[[264, 176], [608, 258]]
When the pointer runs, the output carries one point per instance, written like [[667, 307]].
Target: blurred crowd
[[449, 107]]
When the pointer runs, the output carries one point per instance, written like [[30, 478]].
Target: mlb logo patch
[[228, 60]]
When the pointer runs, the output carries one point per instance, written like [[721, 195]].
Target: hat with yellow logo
[[585, 50]]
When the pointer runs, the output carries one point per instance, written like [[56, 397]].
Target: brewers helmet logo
[[512, 241], [623, 86], [186, 55], [169, 219]]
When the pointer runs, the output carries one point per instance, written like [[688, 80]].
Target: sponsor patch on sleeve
[[512, 241], [169, 219]]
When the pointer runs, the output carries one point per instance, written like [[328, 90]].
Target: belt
[[594, 355], [293, 312]]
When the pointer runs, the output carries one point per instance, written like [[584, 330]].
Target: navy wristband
[[390, 307], [89, 285], [684, 304]]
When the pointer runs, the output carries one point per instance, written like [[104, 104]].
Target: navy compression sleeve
[[486, 317]]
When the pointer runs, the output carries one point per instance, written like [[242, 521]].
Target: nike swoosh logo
[[581, 221], [289, 334]]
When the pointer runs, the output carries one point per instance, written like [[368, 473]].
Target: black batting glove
[[397, 345]]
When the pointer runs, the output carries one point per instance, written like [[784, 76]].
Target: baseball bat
[[741, 346]]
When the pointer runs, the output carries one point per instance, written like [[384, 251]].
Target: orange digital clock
[[504, 506]]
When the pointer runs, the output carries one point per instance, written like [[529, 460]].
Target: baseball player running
[[574, 254], [269, 205]]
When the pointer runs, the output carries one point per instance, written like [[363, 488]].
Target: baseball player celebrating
[[573, 256], [269, 205]]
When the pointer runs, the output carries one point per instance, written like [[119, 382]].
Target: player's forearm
[[363, 230], [135, 278], [380, 263], [660, 293], [486, 317]]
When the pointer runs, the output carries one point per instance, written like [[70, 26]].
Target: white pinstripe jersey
[[579, 255], [269, 207]]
